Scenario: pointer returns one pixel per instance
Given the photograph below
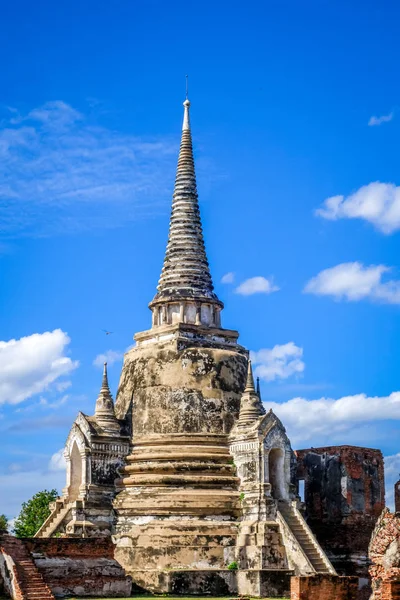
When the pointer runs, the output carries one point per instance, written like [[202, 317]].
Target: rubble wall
[[79, 567]]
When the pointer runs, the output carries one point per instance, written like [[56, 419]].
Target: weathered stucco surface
[[181, 389]]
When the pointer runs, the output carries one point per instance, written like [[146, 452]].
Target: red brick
[[323, 587]]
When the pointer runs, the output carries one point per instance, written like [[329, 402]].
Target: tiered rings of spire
[[185, 288]]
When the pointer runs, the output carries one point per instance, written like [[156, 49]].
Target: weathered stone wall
[[344, 496], [79, 567], [384, 553], [182, 388], [323, 587]]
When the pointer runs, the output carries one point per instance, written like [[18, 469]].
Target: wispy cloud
[[32, 426], [61, 171], [31, 364], [110, 357], [353, 282], [280, 362], [378, 203], [228, 278], [257, 285], [57, 461], [379, 120]]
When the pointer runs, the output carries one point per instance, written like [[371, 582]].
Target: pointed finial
[[186, 119], [104, 412], [258, 388], [187, 86], [104, 384], [250, 380], [250, 405]]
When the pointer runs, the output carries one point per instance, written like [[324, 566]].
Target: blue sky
[[292, 104]]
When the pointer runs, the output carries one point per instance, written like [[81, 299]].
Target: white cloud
[[44, 402], [62, 172], [323, 419], [257, 285], [30, 365], [57, 461], [110, 357], [228, 278], [378, 203], [280, 362], [379, 120], [354, 281]]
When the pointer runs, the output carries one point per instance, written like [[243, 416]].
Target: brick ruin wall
[[384, 553], [79, 567], [323, 587], [344, 495]]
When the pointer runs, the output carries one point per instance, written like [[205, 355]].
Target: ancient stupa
[[193, 479]]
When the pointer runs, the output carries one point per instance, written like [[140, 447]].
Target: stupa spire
[[105, 388], [250, 379], [105, 414], [251, 406], [185, 273]]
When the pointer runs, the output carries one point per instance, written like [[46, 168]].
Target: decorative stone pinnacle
[[185, 274], [251, 406], [250, 379], [104, 402], [105, 388]]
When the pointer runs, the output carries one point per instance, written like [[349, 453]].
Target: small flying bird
[[107, 332]]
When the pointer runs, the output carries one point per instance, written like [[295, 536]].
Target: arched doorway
[[76, 473], [276, 460]]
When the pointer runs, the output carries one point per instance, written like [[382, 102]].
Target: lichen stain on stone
[[195, 389]]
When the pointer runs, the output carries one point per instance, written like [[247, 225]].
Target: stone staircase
[[30, 583], [56, 517], [313, 551]]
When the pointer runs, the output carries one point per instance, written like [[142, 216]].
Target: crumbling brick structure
[[323, 587], [344, 496], [384, 554]]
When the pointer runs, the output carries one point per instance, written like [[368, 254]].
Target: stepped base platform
[[214, 582]]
